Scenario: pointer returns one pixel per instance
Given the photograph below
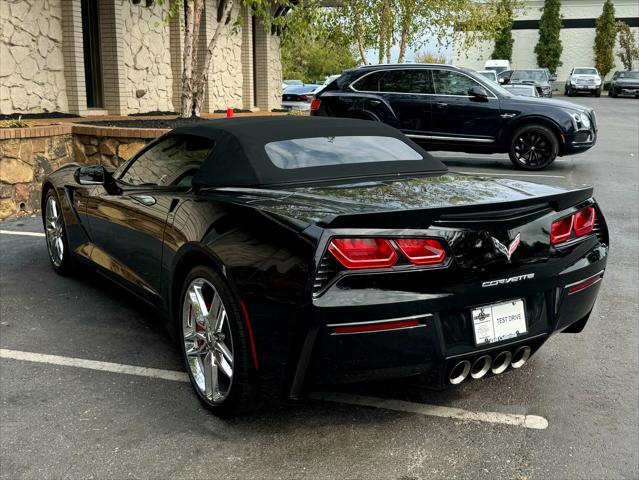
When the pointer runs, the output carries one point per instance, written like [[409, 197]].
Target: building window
[[92, 60]]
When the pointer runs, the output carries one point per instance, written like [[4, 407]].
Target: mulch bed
[[37, 116], [150, 123]]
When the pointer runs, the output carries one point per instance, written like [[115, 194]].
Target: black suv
[[442, 107]]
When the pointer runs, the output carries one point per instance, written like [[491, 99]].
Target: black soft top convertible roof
[[239, 157]]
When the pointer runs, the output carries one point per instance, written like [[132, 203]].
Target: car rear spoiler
[[498, 212]]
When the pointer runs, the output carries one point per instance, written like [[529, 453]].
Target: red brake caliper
[[198, 327]]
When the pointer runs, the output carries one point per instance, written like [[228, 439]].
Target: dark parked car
[[445, 107], [539, 77], [286, 252], [624, 83]]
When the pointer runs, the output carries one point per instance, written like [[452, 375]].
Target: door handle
[[375, 102], [441, 104], [147, 200]]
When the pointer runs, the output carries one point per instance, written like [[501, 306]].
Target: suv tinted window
[[448, 82], [406, 81], [369, 83], [172, 161]]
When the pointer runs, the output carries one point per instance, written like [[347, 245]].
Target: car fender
[[517, 122]]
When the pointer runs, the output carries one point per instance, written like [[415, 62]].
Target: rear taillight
[[356, 253], [584, 221], [422, 251], [315, 104], [581, 223], [561, 230]]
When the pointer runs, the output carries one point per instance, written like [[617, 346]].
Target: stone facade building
[[120, 57], [577, 36]]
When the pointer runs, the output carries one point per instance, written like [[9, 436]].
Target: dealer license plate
[[498, 322]]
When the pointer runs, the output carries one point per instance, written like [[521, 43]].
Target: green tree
[[380, 24], [504, 38], [549, 48], [313, 54], [605, 36], [628, 50]]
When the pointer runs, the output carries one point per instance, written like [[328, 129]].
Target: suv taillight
[[581, 223], [315, 104]]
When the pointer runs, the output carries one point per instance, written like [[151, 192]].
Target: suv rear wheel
[[533, 147]]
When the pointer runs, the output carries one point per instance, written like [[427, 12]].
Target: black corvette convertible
[[289, 252]]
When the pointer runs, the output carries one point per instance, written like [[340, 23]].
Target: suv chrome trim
[[442, 137]]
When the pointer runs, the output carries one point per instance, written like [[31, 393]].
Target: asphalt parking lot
[[571, 412]]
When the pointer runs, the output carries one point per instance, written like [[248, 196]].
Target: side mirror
[[93, 175], [478, 93]]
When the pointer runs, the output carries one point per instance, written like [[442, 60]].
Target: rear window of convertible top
[[346, 150]]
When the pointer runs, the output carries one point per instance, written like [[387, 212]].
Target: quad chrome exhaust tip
[[521, 356], [459, 372], [501, 362], [480, 367]]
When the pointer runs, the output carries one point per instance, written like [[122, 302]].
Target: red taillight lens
[[303, 98], [561, 229], [584, 221], [315, 104], [356, 253], [422, 251]]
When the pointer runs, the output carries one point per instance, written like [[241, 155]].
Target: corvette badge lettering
[[502, 281]]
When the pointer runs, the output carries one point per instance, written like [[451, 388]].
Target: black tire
[[62, 262], [598, 92], [242, 395], [569, 92], [533, 147], [614, 93]]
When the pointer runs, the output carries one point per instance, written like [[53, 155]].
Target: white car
[[489, 74], [497, 66], [583, 79]]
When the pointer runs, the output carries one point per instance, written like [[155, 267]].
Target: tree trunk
[[403, 41], [202, 77], [194, 10], [381, 42], [187, 63], [357, 30]]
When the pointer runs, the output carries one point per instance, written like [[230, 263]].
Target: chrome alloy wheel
[[207, 340], [54, 230], [532, 148]]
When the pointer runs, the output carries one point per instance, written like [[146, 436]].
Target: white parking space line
[[26, 234], [526, 421], [510, 174], [94, 365]]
